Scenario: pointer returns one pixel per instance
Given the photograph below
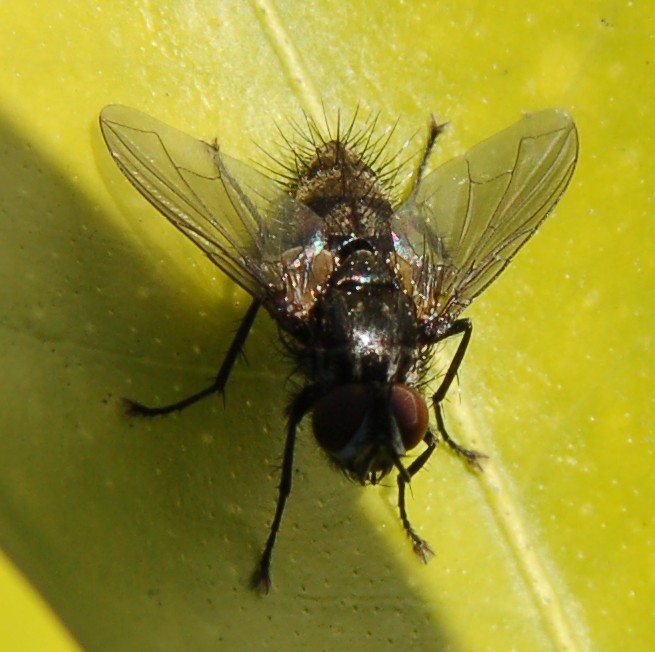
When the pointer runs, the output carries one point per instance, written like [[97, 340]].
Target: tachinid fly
[[362, 286]]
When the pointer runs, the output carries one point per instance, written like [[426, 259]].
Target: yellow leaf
[[142, 534]]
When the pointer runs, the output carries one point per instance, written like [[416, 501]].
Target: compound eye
[[339, 414], [411, 414]]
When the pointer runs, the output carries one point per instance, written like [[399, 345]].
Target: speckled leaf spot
[[362, 285]]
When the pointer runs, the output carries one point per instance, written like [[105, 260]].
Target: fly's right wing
[[466, 220], [244, 221]]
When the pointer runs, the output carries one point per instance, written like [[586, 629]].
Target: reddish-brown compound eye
[[339, 414], [411, 414]]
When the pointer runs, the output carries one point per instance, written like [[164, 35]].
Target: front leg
[[421, 547], [300, 406]]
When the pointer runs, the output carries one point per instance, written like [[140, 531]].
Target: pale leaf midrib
[[289, 57]]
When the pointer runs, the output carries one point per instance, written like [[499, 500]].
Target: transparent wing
[[244, 221], [466, 220]]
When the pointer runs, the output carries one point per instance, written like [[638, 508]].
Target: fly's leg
[[434, 130], [134, 408], [421, 547], [471, 456], [301, 404], [460, 326]]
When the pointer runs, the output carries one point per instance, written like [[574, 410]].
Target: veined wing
[[244, 221], [466, 220]]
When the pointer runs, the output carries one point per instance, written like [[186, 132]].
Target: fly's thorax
[[363, 326]]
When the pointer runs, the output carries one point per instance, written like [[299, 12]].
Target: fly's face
[[362, 286], [367, 428]]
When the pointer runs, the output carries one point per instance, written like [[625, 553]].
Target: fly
[[362, 286]]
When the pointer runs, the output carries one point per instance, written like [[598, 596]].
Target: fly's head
[[366, 428]]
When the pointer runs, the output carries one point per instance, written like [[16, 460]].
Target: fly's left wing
[[244, 221], [466, 220]]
